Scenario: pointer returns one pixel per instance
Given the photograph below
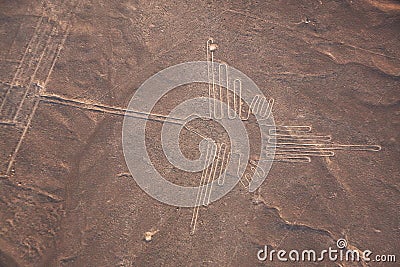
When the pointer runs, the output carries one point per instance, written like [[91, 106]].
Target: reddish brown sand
[[69, 199]]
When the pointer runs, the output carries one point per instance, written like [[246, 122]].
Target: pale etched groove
[[40, 45], [35, 60], [290, 129], [14, 154], [52, 98], [210, 154], [219, 94], [25, 187], [299, 142], [216, 159], [219, 163], [58, 51], [22, 62], [39, 61]]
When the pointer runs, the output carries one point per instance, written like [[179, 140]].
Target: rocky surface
[[69, 201]]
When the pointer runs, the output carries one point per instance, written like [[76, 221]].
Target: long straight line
[[26, 128], [57, 99], [20, 66]]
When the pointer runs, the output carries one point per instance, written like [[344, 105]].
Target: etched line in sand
[[26, 128], [214, 166], [210, 155], [41, 45], [216, 170], [22, 62], [39, 61], [298, 141], [221, 93]]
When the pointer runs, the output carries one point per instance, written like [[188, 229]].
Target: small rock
[[148, 236], [213, 47]]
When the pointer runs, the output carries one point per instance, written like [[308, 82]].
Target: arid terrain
[[67, 197]]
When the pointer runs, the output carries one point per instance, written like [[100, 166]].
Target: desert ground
[[68, 70]]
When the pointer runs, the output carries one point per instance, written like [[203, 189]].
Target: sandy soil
[[69, 200]]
